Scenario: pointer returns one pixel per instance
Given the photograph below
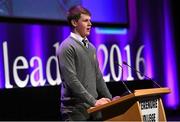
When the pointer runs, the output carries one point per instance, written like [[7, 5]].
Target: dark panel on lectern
[[39, 103], [118, 89]]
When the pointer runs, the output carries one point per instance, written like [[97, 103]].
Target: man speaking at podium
[[83, 85]]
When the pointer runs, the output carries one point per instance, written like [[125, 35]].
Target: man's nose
[[90, 24]]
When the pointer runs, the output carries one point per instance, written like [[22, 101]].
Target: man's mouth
[[88, 29]]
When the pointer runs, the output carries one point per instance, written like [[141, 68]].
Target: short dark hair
[[74, 13]]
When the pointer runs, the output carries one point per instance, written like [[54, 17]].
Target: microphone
[[142, 74], [129, 91]]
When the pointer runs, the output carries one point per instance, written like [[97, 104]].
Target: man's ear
[[74, 22]]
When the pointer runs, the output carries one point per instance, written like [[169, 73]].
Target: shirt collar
[[78, 37]]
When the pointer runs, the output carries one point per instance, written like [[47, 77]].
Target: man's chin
[[87, 34]]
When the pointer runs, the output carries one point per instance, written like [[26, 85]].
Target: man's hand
[[115, 98], [102, 101]]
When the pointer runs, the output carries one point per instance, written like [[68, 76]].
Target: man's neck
[[76, 32]]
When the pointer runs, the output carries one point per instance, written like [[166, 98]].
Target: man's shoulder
[[68, 42], [65, 45], [92, 46]]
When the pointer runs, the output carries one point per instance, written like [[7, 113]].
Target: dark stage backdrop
[[27, 49]]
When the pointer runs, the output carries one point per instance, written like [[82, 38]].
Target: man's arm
[[66, 57], [101, 85]]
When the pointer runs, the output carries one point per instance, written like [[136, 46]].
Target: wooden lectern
[[142, 105]]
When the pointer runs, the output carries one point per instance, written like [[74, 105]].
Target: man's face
[[83, 25]]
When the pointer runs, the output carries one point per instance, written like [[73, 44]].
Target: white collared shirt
[[78, 38]]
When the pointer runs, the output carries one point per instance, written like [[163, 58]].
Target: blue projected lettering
[[36, 77], [21, 63]]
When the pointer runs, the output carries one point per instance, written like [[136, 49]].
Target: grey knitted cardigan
[[82, 80]]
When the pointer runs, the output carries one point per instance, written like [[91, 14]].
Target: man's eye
[[85, 20]]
